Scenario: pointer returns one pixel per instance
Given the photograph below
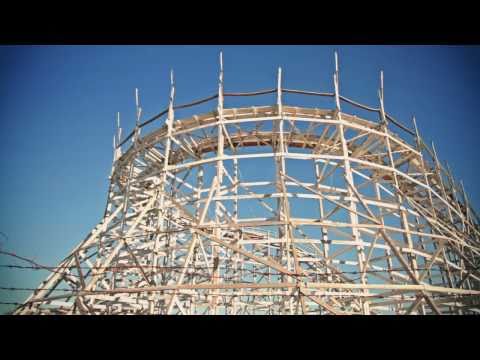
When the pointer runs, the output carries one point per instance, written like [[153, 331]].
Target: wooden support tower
[[275, 209]]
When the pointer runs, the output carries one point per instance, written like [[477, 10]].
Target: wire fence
[[241, 273]]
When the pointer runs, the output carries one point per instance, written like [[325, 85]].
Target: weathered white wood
[[395, 236]]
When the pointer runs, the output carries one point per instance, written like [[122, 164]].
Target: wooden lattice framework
[[354, 219]]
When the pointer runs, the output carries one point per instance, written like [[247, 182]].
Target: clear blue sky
[[58, 105]]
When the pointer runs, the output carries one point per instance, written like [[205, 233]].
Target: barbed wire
[[175, 269], [181, 267], [38, 266], [95, 292], [10, 303], [74, 292]]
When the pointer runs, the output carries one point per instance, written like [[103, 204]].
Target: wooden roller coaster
[[273, 210]]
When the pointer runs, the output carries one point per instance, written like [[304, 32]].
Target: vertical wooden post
[[162, 226], [279, 90], [424, 169], [283, 208], [119, 129], [219, 182], [336, 84], [137, 120], [349, 175], [382, 105], [401, 211], [132, 165], [453, 189], [161, 211], [119, 136], [170, 120], [438, 169], [324, 229], [117, 153], [278, 148], [467, 205]]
